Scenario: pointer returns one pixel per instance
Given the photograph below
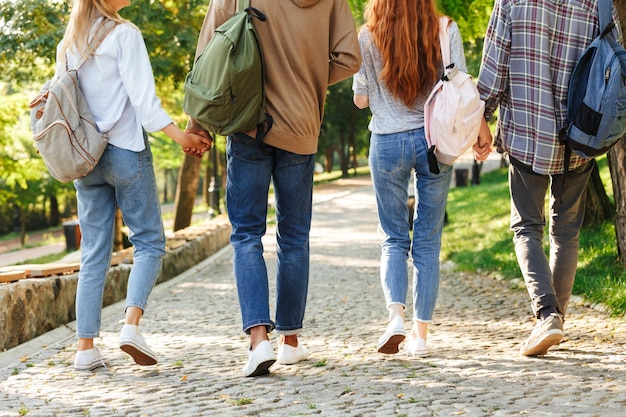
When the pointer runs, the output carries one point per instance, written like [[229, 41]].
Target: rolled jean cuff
[[267, 323], [422, 321], [136, 305], [87, 335], [289, 332]]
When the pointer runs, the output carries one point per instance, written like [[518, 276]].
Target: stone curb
[[34, 306]]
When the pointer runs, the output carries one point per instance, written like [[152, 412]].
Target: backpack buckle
[[449, 73]]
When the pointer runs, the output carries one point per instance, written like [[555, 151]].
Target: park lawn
[[477, 239]]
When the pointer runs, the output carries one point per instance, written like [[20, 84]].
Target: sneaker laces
[[101, 358]]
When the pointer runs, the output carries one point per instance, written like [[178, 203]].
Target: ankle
[[133, 315], [258, 334], [545, 312], [291, 340], [85, 344], [419, 330], [396, 311]]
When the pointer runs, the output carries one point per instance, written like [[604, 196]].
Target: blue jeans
[[252, 165], [392, 157], [126, 179], [549, 281]]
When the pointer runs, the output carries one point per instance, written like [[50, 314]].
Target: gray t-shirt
[[389, 114]]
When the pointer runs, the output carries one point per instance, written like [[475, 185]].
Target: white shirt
[[118, 85]]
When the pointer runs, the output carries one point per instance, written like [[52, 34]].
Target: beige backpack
[[63, 128]]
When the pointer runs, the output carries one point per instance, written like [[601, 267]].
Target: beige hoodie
[[307, 46]]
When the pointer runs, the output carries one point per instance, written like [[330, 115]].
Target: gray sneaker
[[547, 333]]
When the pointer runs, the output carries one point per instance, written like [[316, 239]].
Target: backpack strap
[[444, 40], [244, 6], [262, 128], [606, 25], [605, 16], [444, 43], [101, 32]]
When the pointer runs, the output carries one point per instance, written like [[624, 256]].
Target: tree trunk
[[352, 138], [118, 236], [598, 208], [23, 237], [328, 158], [617, 166], [186, 189], [344, 160], [165, 184], [55, 217]]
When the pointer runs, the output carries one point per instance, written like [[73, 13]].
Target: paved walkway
[[193, 324]]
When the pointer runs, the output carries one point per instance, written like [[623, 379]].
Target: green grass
[[44, 259], [478, 238], [324, 177]]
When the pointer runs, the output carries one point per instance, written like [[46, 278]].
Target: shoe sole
[[89, 367], [263, 368], [291, 356], [140, 357], [392, 345], [543, 345], [291, 361], [418, 354]]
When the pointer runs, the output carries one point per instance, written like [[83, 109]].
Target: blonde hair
[[407, 34], [83, 16]]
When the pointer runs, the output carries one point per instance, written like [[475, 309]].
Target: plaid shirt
[[530, 50]]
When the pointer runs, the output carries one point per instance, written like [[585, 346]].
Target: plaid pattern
[[530, 50]]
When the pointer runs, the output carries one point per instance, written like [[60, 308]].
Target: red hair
[[407, 34]]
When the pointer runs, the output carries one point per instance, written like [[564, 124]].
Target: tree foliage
[[31, 29], [30, 32]]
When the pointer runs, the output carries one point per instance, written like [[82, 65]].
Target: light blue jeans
[[126, 179], [391, 159], [252, 165]]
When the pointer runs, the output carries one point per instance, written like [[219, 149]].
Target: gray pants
[[549, 280]]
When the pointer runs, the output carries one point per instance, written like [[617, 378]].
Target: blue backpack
[[596, 102]]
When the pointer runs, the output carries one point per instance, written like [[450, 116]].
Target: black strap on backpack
[[605, 20], [606, 23], [262, 128]]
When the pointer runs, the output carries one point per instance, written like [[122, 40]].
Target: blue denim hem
[[135, 304], [289, 332], [87, 336], [268, 323]]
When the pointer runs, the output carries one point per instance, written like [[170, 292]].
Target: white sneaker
[[132, 342], [88, 360], [288, 355], [260, 359], [416, 346], [390, 341]]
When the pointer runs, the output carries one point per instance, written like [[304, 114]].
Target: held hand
[[482, 148], [205, 140]]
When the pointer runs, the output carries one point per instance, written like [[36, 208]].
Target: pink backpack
[[453, 111]]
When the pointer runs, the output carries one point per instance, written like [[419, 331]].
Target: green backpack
[[224, 91]]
